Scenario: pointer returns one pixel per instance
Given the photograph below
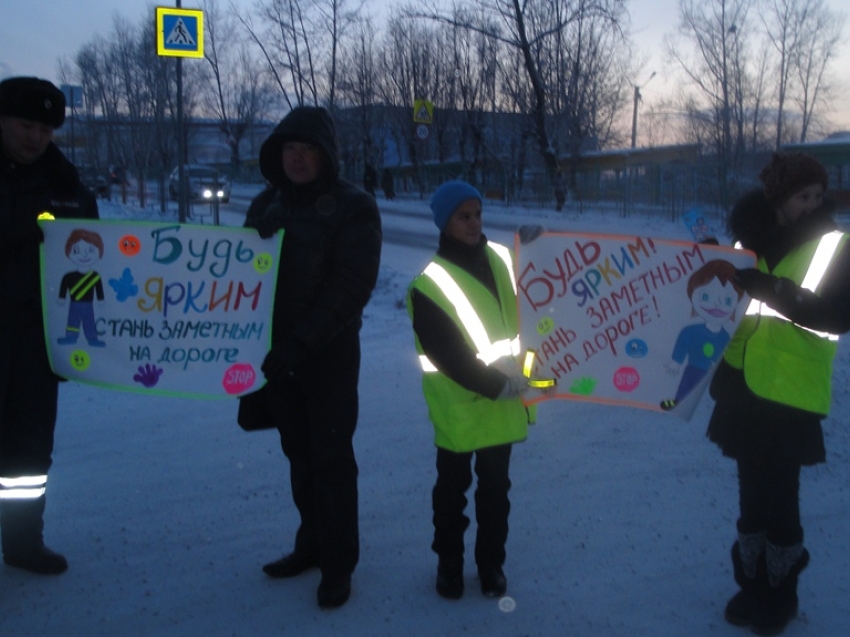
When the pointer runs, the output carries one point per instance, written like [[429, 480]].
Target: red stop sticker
[[626, 379], [239, 378]]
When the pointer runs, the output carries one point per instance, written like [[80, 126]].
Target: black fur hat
[[34, 99], [788, 173]]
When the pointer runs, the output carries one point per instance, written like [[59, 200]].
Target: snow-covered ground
[[620, 527]]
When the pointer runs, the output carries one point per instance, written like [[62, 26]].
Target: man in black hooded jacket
[[328, 268], [34, 178]]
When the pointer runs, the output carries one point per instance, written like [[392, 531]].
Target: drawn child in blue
[[84, 248], [714, 295]]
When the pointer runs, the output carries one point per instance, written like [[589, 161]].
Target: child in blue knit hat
[[465, 323]]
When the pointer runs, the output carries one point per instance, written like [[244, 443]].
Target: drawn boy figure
[[84, 248], [714, 295]]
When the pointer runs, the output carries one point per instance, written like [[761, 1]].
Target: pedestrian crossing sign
[[179, 32], [423, 112]]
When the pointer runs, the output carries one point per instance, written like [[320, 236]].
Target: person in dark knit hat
[[772, 388], [329, 265], [35, 177], [474, 397]]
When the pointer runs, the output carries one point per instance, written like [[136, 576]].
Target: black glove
[[761, 286], [529, 233], [284, 360], [266, 225]]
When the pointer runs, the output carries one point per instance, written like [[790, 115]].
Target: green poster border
[[149, 224]]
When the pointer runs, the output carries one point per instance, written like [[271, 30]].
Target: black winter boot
[[39, 559], [334, 590], [450, 578], [493, 581], [742, 608], [784, 565], [21, 526], [291, 565]]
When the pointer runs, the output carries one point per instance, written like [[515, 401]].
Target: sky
[[620, 526], [34, 34]]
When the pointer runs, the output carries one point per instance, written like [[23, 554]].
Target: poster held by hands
[[181, 310], [627, 320]]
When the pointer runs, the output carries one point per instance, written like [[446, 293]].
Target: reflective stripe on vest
[[488, 352], [814, 275], [23, 487]]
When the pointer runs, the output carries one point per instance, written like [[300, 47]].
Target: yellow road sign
[[179, 32], [423, 112]]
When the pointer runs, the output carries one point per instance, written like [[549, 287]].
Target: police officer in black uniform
[[35, 177]]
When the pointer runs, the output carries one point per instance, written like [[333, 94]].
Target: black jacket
[[753, 223], [743, 425], [52, 185], [331, 243]]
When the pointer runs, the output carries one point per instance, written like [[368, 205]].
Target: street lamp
[[635, 109]]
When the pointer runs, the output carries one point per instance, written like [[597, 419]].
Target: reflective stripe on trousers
[[23, 487]]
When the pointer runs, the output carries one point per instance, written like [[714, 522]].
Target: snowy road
[[620, 527]]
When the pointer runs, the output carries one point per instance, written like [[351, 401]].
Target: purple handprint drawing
[[148, 375]]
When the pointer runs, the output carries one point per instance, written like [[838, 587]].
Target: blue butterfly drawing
[[124, 287]]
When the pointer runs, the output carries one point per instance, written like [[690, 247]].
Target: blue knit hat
[[448, 197]]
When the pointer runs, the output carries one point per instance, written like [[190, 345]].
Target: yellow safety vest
[[782, 361], [463, 420]]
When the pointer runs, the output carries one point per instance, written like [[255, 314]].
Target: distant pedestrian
[[387, 184], [560, 190], [370, 179]]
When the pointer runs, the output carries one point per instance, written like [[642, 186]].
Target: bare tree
[[407, 69], [236, 94], [528, 30], [359, 94], [285, 41], [96, 72], [714, 68], [334, 17], [818, 45], [782, 23]]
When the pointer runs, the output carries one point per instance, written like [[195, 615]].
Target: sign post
[[180, 33], [423, 117]]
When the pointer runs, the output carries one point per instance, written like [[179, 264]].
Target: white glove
[[515, 386]]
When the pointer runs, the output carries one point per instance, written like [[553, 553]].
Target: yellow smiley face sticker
[[545, 325], [263, 262], [80, 360]]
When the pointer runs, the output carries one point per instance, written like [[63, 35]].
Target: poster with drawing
[[171, 309], [628, 320]]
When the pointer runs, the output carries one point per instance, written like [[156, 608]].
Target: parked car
[[205, 183], [93, 180]]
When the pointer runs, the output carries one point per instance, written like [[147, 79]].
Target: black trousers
[[770, 502], [492, 506], [28, 397], [316, 434]]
